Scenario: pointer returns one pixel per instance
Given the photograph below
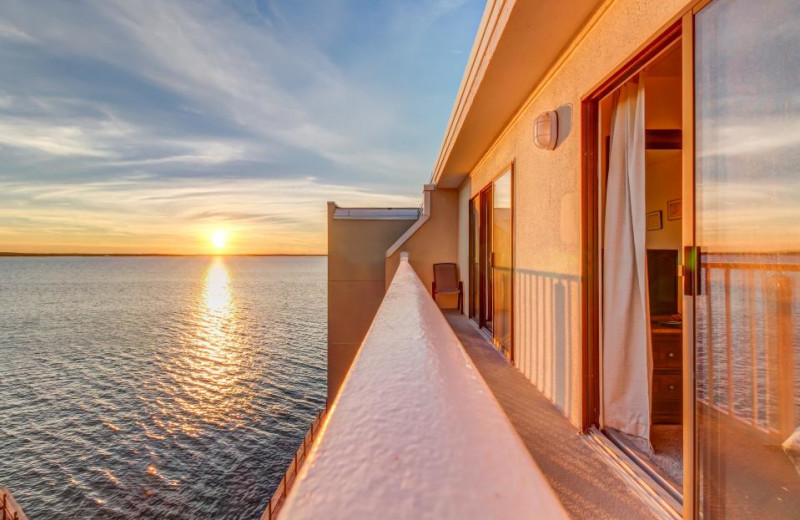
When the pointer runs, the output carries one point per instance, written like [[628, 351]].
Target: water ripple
[[156, 387]]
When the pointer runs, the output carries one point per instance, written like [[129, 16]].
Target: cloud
[[121, 119], [273, 89], [72, 140], [769, 134], [177, 216], [12, 33], [287, 93], [198, 151]]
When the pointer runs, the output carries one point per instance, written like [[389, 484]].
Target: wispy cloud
[[136, 215], [229, 112], [244, 73], [53, 139], [10, 32], [746, 138]]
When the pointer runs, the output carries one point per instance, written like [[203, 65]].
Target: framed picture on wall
[[654, 221], [674, 209]]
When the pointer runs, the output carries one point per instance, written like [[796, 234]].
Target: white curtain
[[626, 360]]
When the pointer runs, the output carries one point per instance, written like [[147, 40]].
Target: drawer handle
[[671, 355], [672, 387]]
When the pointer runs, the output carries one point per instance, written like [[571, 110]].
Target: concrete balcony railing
[[415, 432]]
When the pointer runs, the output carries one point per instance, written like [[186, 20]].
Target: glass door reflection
[[747, 308], [502, 262]]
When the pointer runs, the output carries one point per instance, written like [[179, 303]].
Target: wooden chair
[[445, 281]]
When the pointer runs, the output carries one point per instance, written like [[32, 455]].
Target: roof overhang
[[518, 41]]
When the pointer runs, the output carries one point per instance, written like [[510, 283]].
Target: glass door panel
[[502, 261], [747, 214]]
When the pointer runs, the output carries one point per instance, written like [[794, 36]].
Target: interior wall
[[547, 200], [663, 184], [663, 179]]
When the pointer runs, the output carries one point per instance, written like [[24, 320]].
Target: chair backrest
[[446, 277]]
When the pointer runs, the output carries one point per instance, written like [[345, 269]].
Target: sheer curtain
[[626, 357]]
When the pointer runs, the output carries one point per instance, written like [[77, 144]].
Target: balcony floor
[[585, 483]]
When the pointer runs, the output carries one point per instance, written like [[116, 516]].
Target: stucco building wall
[[356, 285], [436, 241], [547, 199]]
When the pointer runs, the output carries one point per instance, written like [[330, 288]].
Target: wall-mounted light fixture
[[545, 130]]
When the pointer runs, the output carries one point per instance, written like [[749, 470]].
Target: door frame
[[481, 248], [486, 287], [680, 28], [590, 224]]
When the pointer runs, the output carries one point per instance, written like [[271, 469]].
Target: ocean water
[[144, 388]]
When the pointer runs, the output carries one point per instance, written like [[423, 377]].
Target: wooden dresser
[[667, 405]]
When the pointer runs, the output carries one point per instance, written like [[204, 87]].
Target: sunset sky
[[146, 126]]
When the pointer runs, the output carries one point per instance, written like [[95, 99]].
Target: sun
[[219, 238]]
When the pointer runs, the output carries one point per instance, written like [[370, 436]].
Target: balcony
[[415, 432]]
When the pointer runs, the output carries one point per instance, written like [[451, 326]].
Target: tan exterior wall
[[356, 285], [547, 200], [435, 242]]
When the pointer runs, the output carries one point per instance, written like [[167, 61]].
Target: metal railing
[[9, 507], [289, 477], [746, 354]]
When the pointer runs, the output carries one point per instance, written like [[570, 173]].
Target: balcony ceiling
[[517, 43]]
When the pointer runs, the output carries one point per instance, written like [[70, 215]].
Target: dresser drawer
[[667, 351], [667, 386], [667, 397]]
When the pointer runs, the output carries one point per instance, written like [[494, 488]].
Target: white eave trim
[[423, 218], [485, 42], [376, 213]]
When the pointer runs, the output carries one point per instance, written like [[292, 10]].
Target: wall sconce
[[545, 130]]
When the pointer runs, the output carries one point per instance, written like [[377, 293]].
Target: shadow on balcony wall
[[547, 342]]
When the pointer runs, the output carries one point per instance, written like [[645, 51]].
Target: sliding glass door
[[501, 262], [491, 261], [747, 217]]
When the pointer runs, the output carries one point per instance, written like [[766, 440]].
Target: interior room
[[641, 307]]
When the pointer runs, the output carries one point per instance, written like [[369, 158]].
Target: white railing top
[[415, 432]]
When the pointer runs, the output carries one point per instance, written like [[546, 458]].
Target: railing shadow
[[547, 341]]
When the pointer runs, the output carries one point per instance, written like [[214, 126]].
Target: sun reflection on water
[[217, 290], [210, 370]]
